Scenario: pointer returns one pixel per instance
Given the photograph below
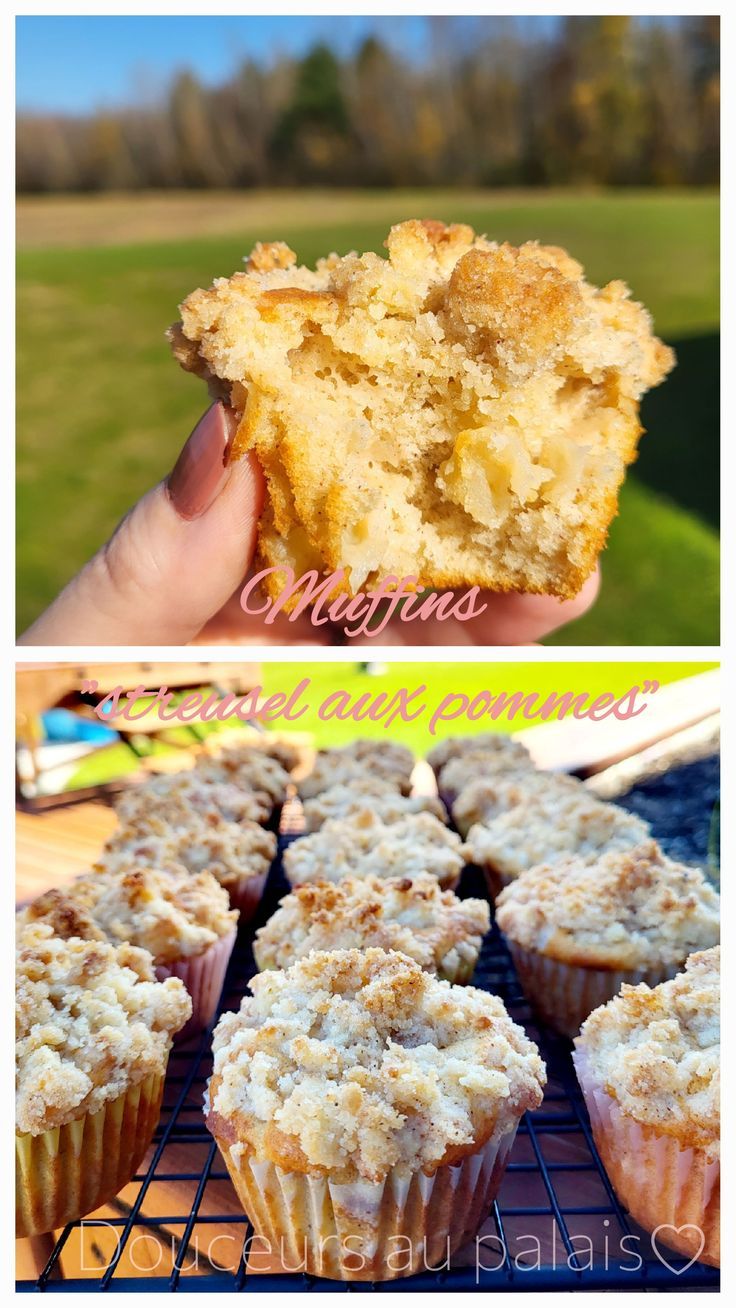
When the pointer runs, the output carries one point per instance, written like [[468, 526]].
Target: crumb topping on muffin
[[230, 851], [483, 800], [171, 912], [175, 796], [381, 759], [550, 825], [627, 909], [351, 1063], [460, 772], [365, 846], [350, 798], [284, 752], [485, 742], [414, 916], [91, 1021], [658, 1052], [248, 768]]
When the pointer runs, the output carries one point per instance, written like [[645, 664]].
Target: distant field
[[102, 409]]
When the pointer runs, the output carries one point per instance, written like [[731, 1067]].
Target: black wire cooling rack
[[556, 1224]]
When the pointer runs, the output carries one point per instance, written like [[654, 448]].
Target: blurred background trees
[[609, 101]]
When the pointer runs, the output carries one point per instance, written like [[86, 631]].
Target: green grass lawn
[[103, 410]]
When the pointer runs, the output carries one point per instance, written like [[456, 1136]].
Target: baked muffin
[[247, 768], [484, 742], [380, 797], [363, 759], [238, 855], [93, 1030], [483, 800], [365, 846], [174, 796], [414, 916], [365, 1110], [183, 919], [578, 930], [648, 1064], [548, 826], [285, 752], [466, 768], [462, 412]]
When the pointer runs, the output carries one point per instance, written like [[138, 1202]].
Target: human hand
[[172, 572]]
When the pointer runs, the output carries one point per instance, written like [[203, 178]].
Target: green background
[[103, 409]]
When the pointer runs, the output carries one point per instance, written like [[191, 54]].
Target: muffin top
[[364, 846], [285, 752], [486, 798], [459, 772], [90, 1021], [176, 796], [167, 910], [248, 768], [626, 909], [363, 758], [658, 1053], [485, 742], [351, 1063], [549, 825], [381, 797], [230, 851], [415, 917]]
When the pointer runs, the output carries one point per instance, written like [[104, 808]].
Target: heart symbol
[[686, 1226]]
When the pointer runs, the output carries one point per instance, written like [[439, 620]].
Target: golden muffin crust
[[168, 910], [351, 1063], [658, 1053], [462, 411], [363, 759], [231, 851], [486, 798], [91, 1020], [349, 798], [174, 796], [546, 827], [247, 768], [624, 910], [365, 846], [484, 743], [415, 917]]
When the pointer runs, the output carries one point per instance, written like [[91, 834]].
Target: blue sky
[[72, 65], [77, 64]]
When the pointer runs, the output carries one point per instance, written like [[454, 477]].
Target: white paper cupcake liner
[[366, 1230], [203, 977], [674, 1193], [563, 995], [246, 895], [69, 1171]]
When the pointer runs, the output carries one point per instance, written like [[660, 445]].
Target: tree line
[[610, 101]]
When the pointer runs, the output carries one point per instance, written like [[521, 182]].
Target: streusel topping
[[383, 759], [90, 1021], [365, 846], [548, 826], [167, 910], [487, 798], [467, 768], [627, 909], [175, 796], [247, 768], [415, 917], [485, 742], [351, 1063], [230, 851], [380, 797], [658, 1052]]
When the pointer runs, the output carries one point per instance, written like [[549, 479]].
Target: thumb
[[176, 557]]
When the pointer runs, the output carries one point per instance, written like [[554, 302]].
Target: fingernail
[[200, 472]]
